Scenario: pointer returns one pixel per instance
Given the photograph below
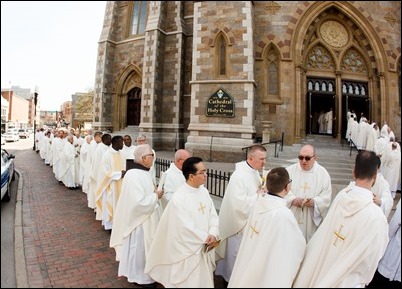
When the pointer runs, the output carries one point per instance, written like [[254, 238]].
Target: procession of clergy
[[171, 234]]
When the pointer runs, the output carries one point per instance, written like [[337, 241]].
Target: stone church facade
[[212, 76]]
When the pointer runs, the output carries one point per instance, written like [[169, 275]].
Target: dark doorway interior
[[134, 106], [320, 99], [319, 103], [356, 104], [355, 98]]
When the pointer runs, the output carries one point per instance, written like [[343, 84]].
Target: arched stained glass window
[[139, 17]]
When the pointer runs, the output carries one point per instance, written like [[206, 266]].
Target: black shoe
[[152, 285]]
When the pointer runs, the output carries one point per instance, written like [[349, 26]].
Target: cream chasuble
[[345, 250], [138, 205], [177, 257], [272, 247], [316, 184], [109, 189]]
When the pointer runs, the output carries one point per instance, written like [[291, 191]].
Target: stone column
[[266, 134], [383, 105], [338, 104]]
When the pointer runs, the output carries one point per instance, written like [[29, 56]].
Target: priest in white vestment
[[384, 132], [42, 144], [381, 192], [349, 128], [388, 273], [244, 185], [361, 140], [392, 167], [136, 217], [354, 130], [83, 157], [321, 122], [128, 148], [174, 177], [372, 136], [110, 179], [142, 139], [67, 169], [310, 196], [182, 253], [345, 250], [55, 155], [96, 177], [88, 181], [48, 147], [328, 121], [272, 239], [58, 154]]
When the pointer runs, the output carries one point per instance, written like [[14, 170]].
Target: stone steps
[[129, 130], [330, 154]]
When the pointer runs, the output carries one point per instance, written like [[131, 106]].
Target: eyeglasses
[[307, 158], [203, 172], [289, 182], [149, 155]]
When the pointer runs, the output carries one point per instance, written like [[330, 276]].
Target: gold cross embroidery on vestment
[[201, 208], [304, 187], [254, 230], [338, 236]]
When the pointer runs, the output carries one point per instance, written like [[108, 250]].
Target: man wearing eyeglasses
[[310, 196], [182, 254], [136, 217], [346, 249], [142, 139]]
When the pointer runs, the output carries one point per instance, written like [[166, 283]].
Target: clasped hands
[[211, 242], [300, 202]]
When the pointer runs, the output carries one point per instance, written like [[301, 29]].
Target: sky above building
[[52, 46]]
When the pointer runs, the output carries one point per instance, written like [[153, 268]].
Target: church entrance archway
[[320, 99], [134, 106]]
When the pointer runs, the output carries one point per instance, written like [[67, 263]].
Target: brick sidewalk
[[64, 245]]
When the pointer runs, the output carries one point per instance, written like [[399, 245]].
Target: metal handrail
[[216, 183], [276, 142]]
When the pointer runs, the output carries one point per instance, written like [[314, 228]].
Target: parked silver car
[[23, 133], [7, 174], [11, 136]]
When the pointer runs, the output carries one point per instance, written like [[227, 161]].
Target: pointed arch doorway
[[320, 99], [355, 97], [134, 107]]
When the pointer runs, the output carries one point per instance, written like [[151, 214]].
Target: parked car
[[7, 174], [11, 136], [23, 133]]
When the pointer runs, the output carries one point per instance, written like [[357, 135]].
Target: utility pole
[[35, 102]]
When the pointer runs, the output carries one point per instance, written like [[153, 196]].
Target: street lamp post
[[35, 102]]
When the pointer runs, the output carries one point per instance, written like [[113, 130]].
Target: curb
[[19, 253]]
